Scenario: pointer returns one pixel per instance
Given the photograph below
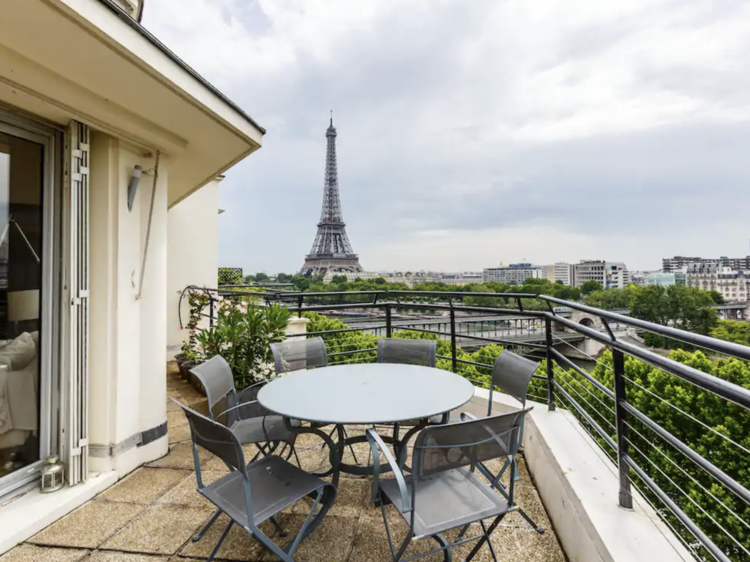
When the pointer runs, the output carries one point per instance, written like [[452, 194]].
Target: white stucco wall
[[127, 381], [192, 255]]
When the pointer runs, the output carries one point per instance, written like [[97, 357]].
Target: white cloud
[[612, 126]]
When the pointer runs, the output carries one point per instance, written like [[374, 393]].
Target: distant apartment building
[[734, 285], [547, 272], [513, 274], [563, 272], [679, 263], [610, 275]]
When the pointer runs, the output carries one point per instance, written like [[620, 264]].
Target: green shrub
[[242, 334]]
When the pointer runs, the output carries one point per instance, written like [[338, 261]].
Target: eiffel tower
[[331, 251]]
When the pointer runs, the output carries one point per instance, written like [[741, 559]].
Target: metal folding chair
[[408, 352], [241, 412], [296, 354], [253, 493], [511, 374], [444, 491]]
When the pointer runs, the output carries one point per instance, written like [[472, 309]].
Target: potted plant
[[189, 357], [242, 334]]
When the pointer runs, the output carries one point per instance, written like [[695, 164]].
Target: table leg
[[334, 455]]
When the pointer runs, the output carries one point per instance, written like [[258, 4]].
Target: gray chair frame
[[241, 412], [296, 354], [409, 352], [448, 456], [512, 375], [299, 353], [255, 492]]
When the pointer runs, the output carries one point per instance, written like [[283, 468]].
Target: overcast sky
[[475, 132]]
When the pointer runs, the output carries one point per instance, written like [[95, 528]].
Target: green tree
[[611, 299], [732, 331], [284, 277], [301, 283], [686, 308], [338, 279], [261, 277], [379, 281], [590, 286]]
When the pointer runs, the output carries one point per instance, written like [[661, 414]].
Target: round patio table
[[366, 394]]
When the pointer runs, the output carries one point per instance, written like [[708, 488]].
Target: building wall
[[514, 274], [127, 380], [563, 272], [192, 255], [734, 286], [610, 275]]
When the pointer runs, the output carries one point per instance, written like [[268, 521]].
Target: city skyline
[[482, 133]]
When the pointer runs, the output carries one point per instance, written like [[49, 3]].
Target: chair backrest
[[512, 374], [440, 448], [215, 438], [297, 354], [217, 379], [409, 352]]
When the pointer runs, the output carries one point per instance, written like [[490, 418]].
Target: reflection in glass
[[21, 180]]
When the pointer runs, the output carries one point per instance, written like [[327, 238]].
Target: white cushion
[[18, 353], [23, 396]]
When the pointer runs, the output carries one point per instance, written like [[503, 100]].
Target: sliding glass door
[[28, 403]]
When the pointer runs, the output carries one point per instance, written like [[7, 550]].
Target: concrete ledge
[[28, 514], [579, 488]]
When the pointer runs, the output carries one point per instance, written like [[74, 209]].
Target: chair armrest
[[241, 392], [376, 442], [245, 405]]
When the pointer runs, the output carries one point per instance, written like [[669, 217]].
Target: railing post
[[388, 320], [621, 415], [299, 306], [550, 365], [210, 310], [454, 363]]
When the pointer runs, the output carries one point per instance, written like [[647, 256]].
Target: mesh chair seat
[[265, 428], [446, 500], [274, 485]]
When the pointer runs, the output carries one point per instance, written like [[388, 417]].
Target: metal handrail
[[623, 410]]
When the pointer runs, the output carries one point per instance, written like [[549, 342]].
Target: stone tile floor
[[151, 515]]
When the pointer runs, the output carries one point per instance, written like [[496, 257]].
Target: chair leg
[[489, 541], [208, 524], [485, 537], [531, 522], [445, 545], [301, 534], [278, 526], [221, 540], [495, 483]]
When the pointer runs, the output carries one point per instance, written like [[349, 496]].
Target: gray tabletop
[[366, 394]]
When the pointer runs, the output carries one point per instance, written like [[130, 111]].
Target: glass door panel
[[22, 180]]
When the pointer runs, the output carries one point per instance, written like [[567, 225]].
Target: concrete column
[[127, 381]]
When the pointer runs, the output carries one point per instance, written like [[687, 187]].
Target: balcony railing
[[654, 414]]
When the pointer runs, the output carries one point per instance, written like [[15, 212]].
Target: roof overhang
[[88, 60]]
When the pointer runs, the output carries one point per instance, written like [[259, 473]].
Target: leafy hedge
[[358, 340]]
